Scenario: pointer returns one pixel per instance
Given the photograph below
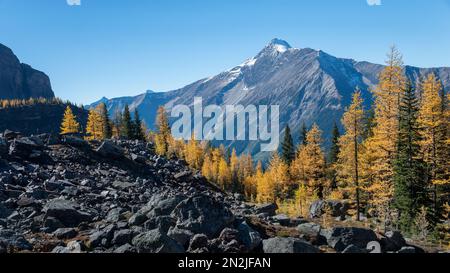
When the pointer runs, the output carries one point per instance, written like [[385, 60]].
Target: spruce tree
[[303, 133], [334, 150], [287, 147], [126, 129], [106, 122], [137, 127], [116, 124], [409, 182]]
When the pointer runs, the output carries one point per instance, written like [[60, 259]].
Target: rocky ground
[[65, 195]]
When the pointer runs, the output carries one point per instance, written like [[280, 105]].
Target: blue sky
[[116, 47]]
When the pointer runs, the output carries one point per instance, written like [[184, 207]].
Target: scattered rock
[[182, 236], [251, 238], [335, 207], [393, 241], [65, 233], [288, 245], [109, 150], [12, 240], [352, 249], [282, 219], [74, 141], [155, 241], [182, 175], [268, 209], [138, 158], [199, 241], [202, 215], [407, 250], [66, 212], [122, 237], [340, 238], [26, 147], [127, 248]]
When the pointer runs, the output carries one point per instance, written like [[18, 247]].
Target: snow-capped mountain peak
[[279, 45]]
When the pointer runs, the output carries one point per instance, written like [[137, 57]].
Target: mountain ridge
[[311, 86]]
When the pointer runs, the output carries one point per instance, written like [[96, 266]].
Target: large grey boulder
[[288, 245], [74, 141], [161, 205], [337, 208], [110, 150], [248, 236], [155, 241], [393, 241], [269, 209], [66, 212], [202, 215], [26, 147], [309, 229], [182, 236], [340, 238]]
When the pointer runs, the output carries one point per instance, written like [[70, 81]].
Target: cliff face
[[21, 81]]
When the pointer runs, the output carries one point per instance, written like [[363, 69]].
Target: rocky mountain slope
[[309, 85], [64, 195], [21, 81]]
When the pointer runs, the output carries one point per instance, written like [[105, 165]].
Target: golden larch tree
[[380, 148], [309, 166], [434, 120], [348, 165], [69, 123], [163, 135], [94, 126]]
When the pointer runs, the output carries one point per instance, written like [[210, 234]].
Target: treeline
[[392, 161], [99, 125], [13, 103]]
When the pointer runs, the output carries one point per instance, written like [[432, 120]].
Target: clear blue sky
[[123, 47]]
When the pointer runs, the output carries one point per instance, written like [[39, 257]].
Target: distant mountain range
[[21, 81], [309, 85]]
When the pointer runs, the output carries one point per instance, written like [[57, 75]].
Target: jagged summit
[[274, 48], [279, 44]]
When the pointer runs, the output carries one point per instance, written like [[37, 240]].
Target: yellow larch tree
[[94, 126], [194, 153], [69, 123], [207, 168], [224, 177], [309, 166], [234, 170], [380, 148], [434, 120], [274, 182], [350, 146], [163, 135], [251, 181]]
